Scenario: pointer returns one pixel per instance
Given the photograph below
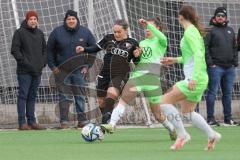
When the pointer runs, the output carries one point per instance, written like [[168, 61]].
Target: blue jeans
[[27, 92], [74, 86], [224, 77]]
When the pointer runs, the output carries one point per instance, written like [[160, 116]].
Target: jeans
[[225, 78], [73, 86], [27, 93]]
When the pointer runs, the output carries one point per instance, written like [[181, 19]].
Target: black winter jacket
[[238, 39], [221, 47], [62, 42], [29, 49]]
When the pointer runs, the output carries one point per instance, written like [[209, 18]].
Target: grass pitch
[[125, 144]]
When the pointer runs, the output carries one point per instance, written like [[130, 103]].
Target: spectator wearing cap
[[61, 51], [30, 52], [221, 59]]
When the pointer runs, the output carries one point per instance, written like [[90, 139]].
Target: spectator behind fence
[[221, 58], [62, 55], [29, 50]]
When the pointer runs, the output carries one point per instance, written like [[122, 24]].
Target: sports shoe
[[24, 127], [63, 126], [212, 141], [173, 135], [180, 142], [230, 122], [101, 135], [107, 128], [213, 122], [36, 126]]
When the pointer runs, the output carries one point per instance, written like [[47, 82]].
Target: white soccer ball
[[91, 132]]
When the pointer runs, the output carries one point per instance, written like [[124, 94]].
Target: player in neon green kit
[[146, 76], [194, 64], [189, 91]]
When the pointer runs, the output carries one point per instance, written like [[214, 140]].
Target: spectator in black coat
[[221, 59], [29, 50]]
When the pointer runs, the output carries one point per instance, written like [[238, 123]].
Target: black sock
[[107, 109]]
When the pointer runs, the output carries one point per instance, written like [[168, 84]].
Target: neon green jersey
[[146, 74], [153, 49], [193, 55]]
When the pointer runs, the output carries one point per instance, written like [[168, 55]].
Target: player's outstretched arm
[[162, 38], [143, 22], [169, 60]]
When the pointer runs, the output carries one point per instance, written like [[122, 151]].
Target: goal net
[[168, 13], [99, 16]]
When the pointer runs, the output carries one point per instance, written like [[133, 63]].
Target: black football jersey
[[118, 53]]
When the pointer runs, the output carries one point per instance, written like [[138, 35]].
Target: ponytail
[[190, 14]]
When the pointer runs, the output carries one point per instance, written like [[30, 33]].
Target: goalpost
[[99, 16]]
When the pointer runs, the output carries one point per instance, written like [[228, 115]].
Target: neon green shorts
[[149, 84], [195, 95]]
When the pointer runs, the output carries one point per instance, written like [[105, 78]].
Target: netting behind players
[[168, 12], [99, 16]]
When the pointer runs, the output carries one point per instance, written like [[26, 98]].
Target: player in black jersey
[[115, 70]]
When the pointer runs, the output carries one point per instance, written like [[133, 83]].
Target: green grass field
[[125, 144]]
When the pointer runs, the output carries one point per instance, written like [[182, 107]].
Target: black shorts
[[104, 81]]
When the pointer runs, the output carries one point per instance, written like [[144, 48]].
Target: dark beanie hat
[[31, 14], [71, 13], [220, 10]]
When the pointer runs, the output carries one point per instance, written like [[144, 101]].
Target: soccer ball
[[91, 132]]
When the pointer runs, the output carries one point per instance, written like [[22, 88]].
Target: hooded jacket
[[62, 44], [220, 44], [29, 50]]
